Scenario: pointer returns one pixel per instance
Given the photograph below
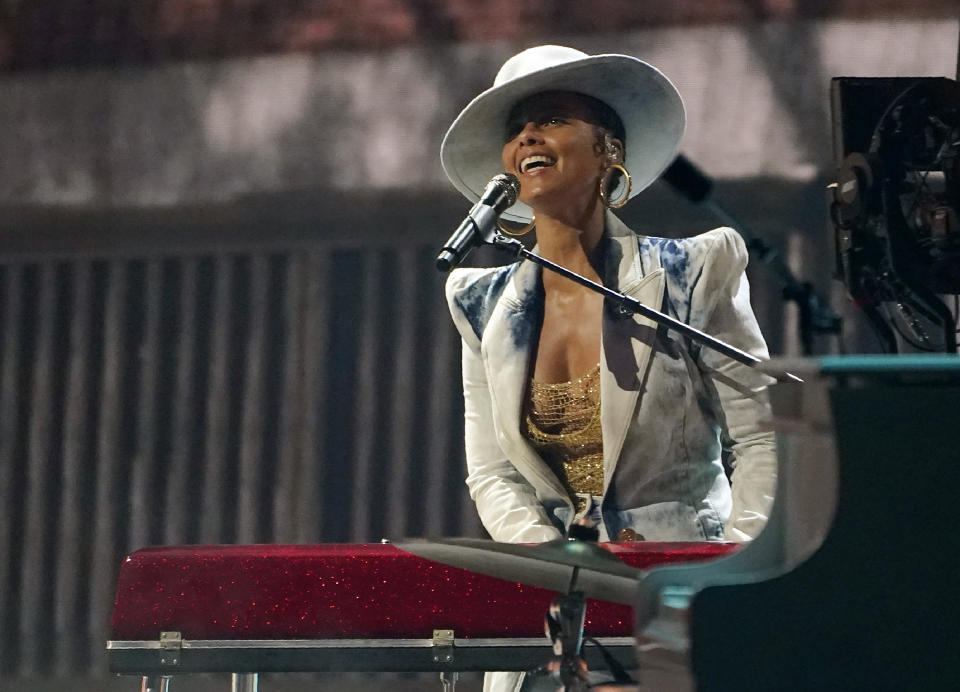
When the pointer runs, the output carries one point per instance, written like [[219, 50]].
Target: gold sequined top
[[563, 425]]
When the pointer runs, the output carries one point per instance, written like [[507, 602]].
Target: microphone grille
[[509, 184]]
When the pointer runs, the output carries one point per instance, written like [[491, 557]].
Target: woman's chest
[[569, 339]]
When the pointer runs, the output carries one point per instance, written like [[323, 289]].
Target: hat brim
[[646, 101]]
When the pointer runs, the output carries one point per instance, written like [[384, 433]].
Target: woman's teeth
[[531, 162]]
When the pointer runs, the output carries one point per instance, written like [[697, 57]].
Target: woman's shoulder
[[472, 293], [722, 239], [721, 248]]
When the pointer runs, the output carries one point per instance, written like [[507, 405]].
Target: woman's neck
[[571, 244]]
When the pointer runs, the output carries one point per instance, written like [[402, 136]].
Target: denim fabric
[[669, 407]]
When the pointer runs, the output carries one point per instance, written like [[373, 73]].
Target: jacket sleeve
[[506, 502], [720, 306]]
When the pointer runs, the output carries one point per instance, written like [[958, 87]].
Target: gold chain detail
[[563, 425]]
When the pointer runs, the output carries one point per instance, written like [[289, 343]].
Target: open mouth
[[531, 163]]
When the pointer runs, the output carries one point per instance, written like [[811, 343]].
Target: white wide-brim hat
[[646, 101]]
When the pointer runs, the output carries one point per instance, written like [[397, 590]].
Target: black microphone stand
[[633, 306], [564, 627], [816, 316]]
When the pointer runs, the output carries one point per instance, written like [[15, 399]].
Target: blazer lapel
[[506, 348], [626, 340]]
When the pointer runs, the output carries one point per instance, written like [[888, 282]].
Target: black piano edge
[[347, 655]]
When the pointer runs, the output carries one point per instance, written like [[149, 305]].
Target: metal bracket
[[170, 645], [443, 646]]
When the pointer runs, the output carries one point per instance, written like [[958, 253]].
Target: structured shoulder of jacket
[[472, 294], [722, 238], [725, 239], [721, 247]]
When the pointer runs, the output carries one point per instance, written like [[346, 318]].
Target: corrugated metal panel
[[276, 396], [400, 495], [178, 508], [35, 608], [111, 462], [70, 589], [297, 502], [10, 455]]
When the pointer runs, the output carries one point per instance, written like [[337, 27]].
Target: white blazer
[[669, 407]]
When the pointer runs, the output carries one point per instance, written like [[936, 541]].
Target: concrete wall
[[757, 100]]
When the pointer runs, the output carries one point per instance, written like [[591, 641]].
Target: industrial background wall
[[219, 316], [273, 396]]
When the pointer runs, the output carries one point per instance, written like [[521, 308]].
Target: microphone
[[481, 222]]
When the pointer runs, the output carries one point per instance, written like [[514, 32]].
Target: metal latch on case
[[443, 646], [170, 645]]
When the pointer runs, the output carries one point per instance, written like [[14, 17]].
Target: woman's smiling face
[[555, 148]]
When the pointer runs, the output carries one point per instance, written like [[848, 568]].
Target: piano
[[250, 609], [852, 584]]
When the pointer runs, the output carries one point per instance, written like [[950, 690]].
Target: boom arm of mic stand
[[516, 248]]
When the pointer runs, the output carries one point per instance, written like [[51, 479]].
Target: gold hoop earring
[[520, 231], [610, 204]]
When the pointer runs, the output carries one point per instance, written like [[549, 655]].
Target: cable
[[619, 673]]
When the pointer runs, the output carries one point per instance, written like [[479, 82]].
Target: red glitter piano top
[[344, 591]]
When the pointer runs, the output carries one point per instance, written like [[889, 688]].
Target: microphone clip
[[508, 245]]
